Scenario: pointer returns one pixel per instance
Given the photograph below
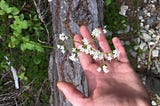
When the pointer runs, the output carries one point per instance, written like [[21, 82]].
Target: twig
[[4, 75], [23, 6], [41, 18], [150, 52], [14, 73], [38, 96]]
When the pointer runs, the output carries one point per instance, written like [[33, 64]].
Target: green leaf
[[15, 11], [14, 42], [25, 39], [4, 65], [22, 76], [108, 2], [23, 47], [3, 5], [21, 17], [2, 12], [8, 10], [37, 60], [24, 24], [10, 16], [39, 48], [35, 18]]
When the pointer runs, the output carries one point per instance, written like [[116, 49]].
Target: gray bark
[[68, 16]]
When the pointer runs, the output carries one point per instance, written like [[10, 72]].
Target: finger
[[85, 59], [103, 43], [71, 93], [118, 45], [86, 34]]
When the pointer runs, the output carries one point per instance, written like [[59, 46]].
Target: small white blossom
[[81, 48], [63, 51], [73, 57], [58, 46], [153, 103], [99, 69], [115, 54], [74, 50], [98, 55], [87, 51], [104, 31], [96, 33], [63, 37], [89, 47], [62, 48], [105, 68], [49, 0], [91, 52], [85, 41], [109, 58]]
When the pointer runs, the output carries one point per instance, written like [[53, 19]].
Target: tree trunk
[[68, 16]]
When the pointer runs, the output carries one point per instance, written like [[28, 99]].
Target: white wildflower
[[105, 68], [63, 37], [99, 69], [73, 57], [116, 54], [101, 56], [96, 33], [63, 51], [98, 55], [109, 58], [62, 48], [74, 50], [104, 31], [91, 52], [49, 0], [58, 46], [85, 41], [153, 103], [81, 48], [89, 47], [87, 51]]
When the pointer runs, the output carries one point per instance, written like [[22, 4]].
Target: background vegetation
[[23, 34]]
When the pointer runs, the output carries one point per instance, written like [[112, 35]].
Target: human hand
[[119, 87]]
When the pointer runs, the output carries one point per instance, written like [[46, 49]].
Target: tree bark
[[68, 16]]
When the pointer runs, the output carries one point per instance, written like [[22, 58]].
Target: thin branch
[[150, 52], [41, 17]]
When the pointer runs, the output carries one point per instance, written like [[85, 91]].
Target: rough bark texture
[[68, 15]]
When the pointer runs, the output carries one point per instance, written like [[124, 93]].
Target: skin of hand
[[119, 87]]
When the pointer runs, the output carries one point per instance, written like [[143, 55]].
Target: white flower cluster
[[63, 37], [103, 68], [96, 33], [104, 29], [62, 48], [98, 55], [88, 49], [74, 56]]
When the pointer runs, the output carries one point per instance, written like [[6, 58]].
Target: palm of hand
[[120, 87]]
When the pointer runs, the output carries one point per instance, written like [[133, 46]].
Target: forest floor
[[145, 52]]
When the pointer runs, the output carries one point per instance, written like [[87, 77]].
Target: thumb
[[71, 93]]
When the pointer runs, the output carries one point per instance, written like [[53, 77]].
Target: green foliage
[[107, 2], [6, 9], [113, 19], [20, 32]]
